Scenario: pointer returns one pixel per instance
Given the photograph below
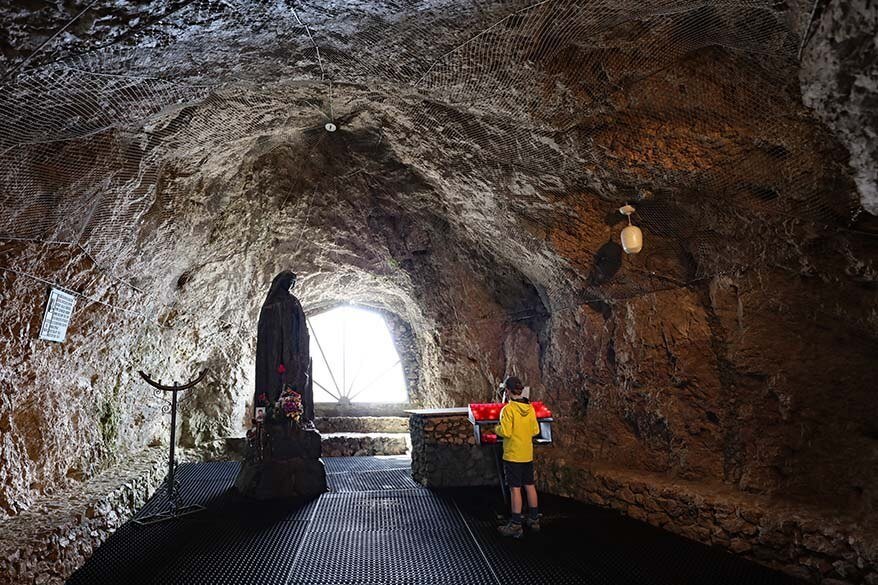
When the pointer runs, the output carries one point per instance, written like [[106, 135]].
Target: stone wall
[[56, 535], [721, 399], [809, 543], [364, 444], [362, 424], [406, 344], [445, 454], [839, 79]]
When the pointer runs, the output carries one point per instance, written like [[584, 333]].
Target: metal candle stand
[[173, 486]]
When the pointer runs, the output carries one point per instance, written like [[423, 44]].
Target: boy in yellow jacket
[[518, 426]]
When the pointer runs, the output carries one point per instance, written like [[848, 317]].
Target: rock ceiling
[[123, 120]]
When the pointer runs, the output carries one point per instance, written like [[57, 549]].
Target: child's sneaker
[[511, 529], [533, 524]]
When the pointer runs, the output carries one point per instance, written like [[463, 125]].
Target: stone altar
[[444, 451], [291, 467]]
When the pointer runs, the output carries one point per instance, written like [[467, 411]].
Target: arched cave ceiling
[[164, 160], [153, 139]]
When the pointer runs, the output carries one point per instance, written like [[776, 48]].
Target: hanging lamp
[[632, 237]]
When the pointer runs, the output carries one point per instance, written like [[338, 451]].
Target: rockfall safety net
[[556, 88]]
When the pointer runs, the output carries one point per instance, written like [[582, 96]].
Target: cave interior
[[458, 168]]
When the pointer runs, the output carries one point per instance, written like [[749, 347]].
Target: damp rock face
[[470, 190]]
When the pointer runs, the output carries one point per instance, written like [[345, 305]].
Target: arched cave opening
[[359, 360]]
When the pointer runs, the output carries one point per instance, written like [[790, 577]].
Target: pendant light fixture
[[632, 237]]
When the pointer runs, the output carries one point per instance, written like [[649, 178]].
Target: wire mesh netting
[[555, 87]]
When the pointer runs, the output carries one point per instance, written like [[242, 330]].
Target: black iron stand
[[498, 456], [173, 486]]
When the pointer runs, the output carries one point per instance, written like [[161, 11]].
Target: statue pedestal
[[290, 466]]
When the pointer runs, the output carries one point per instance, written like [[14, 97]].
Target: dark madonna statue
[[283, 459], [282, 356]]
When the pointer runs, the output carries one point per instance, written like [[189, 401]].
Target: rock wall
[[807, 543], [409, 354], [726, 399], [724, 384], [839, 79], [70, 410]]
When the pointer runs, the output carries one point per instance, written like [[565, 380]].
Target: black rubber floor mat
[[402, 536], [233, 540], [199, 483], [224, 471], [581, 544], [191, 492], [244, 553], [430, 557], [376, 527], [360, 464], [390, 479], [401, 511], [545, 558], [133, 554]]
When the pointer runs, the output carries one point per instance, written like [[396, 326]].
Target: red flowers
[[281, 369]]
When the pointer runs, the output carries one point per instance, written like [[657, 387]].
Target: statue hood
[[280, 287]]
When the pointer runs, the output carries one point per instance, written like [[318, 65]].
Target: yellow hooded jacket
[[518, 426]]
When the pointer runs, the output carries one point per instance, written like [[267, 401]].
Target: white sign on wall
[[57, 317]]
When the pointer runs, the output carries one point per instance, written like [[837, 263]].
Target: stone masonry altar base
[[444, 450], [288, 467]]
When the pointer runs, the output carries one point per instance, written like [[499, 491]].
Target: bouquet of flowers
[[289, 405]]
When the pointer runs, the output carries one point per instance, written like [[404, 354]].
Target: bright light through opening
[[354, 358]]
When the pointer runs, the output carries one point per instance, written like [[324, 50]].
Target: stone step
[[364, 444], [362, 424], [362, 409]]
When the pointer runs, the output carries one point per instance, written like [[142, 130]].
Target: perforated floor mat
[[391, 479], [359, 464], [400, 511], [378, 526]]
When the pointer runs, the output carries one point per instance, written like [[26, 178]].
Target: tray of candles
[[486, 416]]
